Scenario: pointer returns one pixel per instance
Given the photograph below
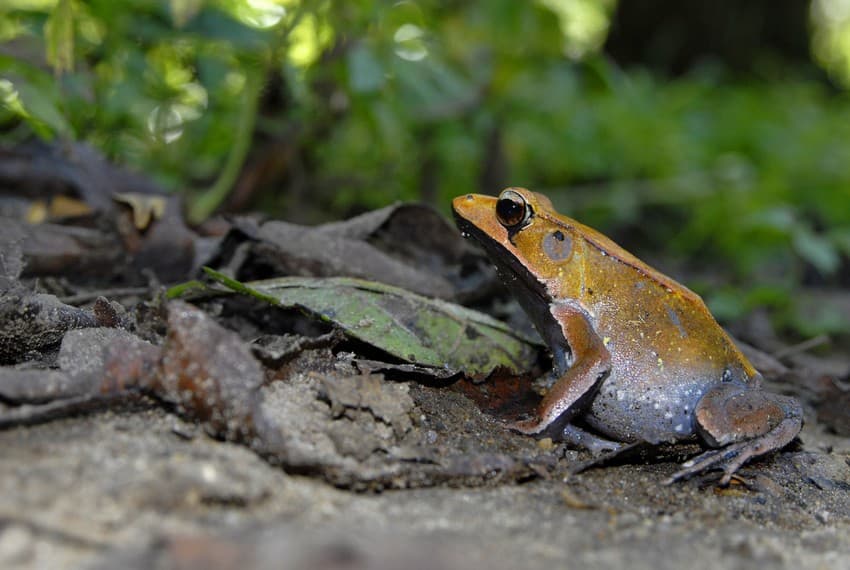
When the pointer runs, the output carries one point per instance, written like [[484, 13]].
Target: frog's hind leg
[[743, 423]]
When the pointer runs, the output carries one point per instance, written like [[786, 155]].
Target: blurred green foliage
[[367, 102]]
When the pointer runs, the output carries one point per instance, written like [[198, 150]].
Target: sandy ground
[[140, 487]]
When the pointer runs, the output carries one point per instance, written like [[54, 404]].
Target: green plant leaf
[[31, 94], [365, 74], [817, 250], [412, 328], [182, 11], [59, 37]]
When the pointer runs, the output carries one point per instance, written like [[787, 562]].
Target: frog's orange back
[[610, 248], [636, 304]]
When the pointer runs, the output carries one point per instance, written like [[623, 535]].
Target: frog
[[636, 356]]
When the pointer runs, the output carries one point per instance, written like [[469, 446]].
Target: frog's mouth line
[[503, 258], [516, 277]]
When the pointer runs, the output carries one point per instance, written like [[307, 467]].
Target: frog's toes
[[603, 448], [576, 437], [751, 422], [729, 459], [613, 451]]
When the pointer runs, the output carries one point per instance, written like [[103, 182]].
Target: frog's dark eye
[[512, 209]]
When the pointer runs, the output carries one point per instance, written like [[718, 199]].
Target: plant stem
[[206, 203]]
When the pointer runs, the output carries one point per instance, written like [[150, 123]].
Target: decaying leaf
[[210, 374], [34, 322], [145, 207], [56, 208], [205, 370], [111, 219], [407, 245], [412, 328]]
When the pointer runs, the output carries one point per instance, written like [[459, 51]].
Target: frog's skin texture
[[637, 356]]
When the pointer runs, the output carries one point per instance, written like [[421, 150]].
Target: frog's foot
[[732, 457], [623, 452], [604, 450], [574, 436], [531, 426], [578, 438], [743, 423]]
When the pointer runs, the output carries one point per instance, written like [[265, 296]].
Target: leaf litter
[[115, 386]]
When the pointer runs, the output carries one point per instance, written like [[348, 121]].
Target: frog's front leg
[[577, 386], [743, 423]]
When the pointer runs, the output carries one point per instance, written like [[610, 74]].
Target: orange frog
[[637, 356]]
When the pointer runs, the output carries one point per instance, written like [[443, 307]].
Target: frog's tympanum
[[637, 356]]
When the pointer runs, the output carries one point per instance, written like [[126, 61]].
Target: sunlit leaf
[[184, 10], [145, 207], [584, 23], [59, 37], [307, 39], [34, 104]]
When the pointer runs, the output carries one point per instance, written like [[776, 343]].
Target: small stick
[[804, 346], [33, 414], [108, 293]]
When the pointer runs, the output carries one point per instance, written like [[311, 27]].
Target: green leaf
[[412, 328], [815, 312], [817, 250], [31, 94], [841, 238], [365, 74], [183, 290], [42, 108], [59, 37], [182, 11]]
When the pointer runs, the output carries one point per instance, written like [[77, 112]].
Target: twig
[[29, 415], [804, 346], [205, 204], [108, 293]]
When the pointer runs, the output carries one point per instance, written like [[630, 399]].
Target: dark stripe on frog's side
[[526, 288]]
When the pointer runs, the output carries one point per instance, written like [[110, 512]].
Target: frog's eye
[[512, 210]]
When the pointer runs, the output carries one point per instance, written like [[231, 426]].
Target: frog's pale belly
[[633, 405]]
